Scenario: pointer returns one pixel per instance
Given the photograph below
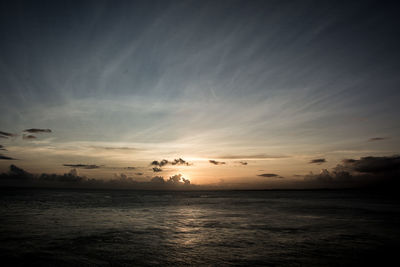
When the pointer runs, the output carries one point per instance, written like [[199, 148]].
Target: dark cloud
[[35, 130], [139, 173], [216, 162], [164, 162], [180, 161], [28, 137], [243, 162], [318, 161], [6, 135], [82, 166], [160, 163], [373, 164], [270, 175], [155, 169], [377, 139], [253, 156], [2, 157], [366, 171], [2, 148]]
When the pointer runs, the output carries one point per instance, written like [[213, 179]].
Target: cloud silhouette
[[35, 130], [180, 161], [318, 161], [164, 162], [216, 162], [28, 137], [376, 139], [139, 173], [82, 166], [243, 162], [2, 157], [6, 135], [270, 175], [155, 169], [160, 163]]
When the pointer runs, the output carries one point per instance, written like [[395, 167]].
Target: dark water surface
[[242, 228]]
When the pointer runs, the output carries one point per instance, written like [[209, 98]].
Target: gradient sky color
[[287, 87]]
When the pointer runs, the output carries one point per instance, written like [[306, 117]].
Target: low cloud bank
[[363, 172], [17, 177]]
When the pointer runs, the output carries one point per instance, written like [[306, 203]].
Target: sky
[[253, 93]]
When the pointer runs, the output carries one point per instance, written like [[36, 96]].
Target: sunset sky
[[245, 92]]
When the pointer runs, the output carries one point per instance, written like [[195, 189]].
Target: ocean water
[[226, 228]]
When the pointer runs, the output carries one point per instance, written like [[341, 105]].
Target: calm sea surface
[[241, 228]]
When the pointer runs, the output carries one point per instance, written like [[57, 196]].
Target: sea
[[62, 227]]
